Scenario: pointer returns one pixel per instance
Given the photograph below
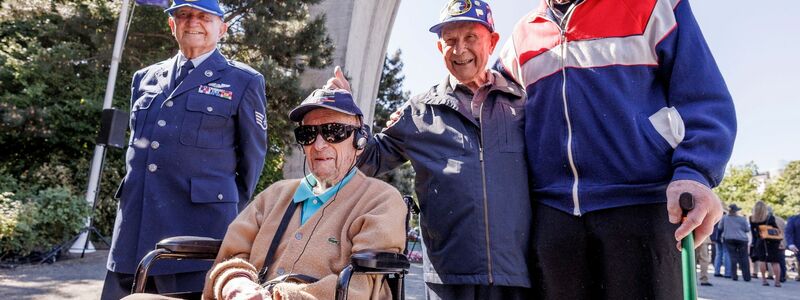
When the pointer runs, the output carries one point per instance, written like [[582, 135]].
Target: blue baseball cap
[[465, 11], [338, 100], [209, 6]]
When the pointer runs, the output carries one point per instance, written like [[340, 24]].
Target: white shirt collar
[[195, 61]]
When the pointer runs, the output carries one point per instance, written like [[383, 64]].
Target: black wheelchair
[[394, 266]]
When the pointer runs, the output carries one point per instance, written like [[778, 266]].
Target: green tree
[[54, 63], [390, 97], [740, 187], [390, 90], [784, 193]]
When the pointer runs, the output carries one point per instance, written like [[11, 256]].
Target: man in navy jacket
[[196, 150]]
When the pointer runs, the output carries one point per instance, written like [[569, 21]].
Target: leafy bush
[[40, 222]]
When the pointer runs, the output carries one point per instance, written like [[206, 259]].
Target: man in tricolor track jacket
[[626, 109]]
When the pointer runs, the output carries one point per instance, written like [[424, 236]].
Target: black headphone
[[360, 138]]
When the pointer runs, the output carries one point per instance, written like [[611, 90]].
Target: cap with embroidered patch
[[465, 11], [338, 100], [209, 6]]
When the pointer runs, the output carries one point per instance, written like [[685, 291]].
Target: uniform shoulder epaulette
[[243, 67]]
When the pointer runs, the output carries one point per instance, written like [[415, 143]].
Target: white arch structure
[[360, 32]]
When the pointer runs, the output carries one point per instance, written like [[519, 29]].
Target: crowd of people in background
[[755, 245]]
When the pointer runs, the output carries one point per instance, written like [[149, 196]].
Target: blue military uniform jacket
[[194, 157]]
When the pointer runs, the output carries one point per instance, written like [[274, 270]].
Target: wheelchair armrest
[[373, 262], [178, 247], [378, 260], [190, 244]]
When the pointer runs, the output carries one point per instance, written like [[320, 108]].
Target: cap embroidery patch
[[459, 7], [325, 96]]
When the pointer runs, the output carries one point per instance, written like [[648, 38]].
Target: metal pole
[[100, 150]]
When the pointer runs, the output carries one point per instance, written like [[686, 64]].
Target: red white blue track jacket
[[623, 97]]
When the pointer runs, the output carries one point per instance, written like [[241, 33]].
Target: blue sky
[[756, 47]]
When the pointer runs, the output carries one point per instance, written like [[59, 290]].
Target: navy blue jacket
[[792, 232], [475, 208], [193, 160]]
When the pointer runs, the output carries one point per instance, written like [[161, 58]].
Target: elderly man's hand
[[338, 81], [706, 213], [242, 288]]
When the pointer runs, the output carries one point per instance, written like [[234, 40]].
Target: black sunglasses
[[332, 133]]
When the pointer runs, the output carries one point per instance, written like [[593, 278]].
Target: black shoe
[[770, 277], [730, 277], [706, 284], [717, 275], [735, 279]]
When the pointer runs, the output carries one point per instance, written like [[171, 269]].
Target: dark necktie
[[188, 66]]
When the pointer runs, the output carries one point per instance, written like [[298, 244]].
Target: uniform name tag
[[224, 94]]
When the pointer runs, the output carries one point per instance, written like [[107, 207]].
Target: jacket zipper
[[485, 197], [563, 27]]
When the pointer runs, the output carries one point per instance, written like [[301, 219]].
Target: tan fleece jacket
[[366, 214]]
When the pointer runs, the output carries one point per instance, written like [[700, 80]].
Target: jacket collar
[[544, 11], [443, 93], [208, 71]]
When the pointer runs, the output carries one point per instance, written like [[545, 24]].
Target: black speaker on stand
[[113, 126]]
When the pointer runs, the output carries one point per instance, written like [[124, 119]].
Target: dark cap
[[733, 208], [209, 6], [465, 11], [338, 100]]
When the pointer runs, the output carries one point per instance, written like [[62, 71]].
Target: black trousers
[[476, 292], [737, 250], [618, 253], [118, 285]]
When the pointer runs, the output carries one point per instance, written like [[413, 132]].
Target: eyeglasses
[[332, 133]]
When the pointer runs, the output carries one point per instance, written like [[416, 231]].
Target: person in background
[[703, 258], [765, 251], [721, 258], [782, 227], [792, 236], [734, 232]]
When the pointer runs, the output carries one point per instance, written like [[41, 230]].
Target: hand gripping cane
[[687, 252]]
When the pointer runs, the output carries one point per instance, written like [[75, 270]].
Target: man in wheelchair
[[326, 216]]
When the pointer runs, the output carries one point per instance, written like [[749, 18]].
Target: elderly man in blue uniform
[[464, 137], [197, 146]]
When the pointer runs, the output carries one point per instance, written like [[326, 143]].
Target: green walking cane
[[687, 252]]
